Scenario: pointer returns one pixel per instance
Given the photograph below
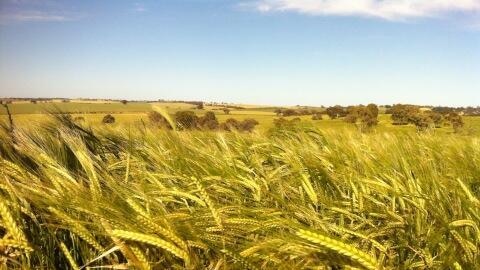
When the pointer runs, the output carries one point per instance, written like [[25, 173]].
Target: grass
[[311, 198]]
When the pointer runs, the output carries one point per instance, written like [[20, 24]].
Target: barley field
[[117, 197]]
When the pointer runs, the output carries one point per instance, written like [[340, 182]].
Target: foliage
[[208, 121], [158, 120], [159, 199], [403, 114], [456, 121], [336, 112], [108, 119], [186, 120]]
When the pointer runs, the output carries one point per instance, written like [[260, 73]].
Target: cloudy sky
[[286, 52]]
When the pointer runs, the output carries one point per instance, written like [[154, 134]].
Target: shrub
[[208, 121], [248, 124], [226, 110], [456, 121], [186, 120], [336, 112], [157, 119], [124, 102], [108, 119]]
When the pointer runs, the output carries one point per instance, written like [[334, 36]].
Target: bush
[[248, 124], [208, 121], [108, 119], [456, 121], [157, 119], [186, 120], [124, 102]]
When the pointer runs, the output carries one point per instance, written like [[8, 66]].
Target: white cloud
[[385, 9]]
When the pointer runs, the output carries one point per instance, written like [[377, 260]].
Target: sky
[[279, 52]]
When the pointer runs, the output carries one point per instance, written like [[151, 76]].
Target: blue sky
[[284, 52]]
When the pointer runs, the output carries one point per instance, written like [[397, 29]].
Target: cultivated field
[[316, 195]]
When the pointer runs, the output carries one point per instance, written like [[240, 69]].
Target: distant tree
[[278, 112], [124, 102], [248, 124], [108, 119], [437, 119], [456, 120], [208, 121], [289, 112], [372, 110], [230, 124], [403, 114], [33, 101], [200, 106], [353, 113], [65, 100], [157, 119], [421, 121], [443, 110], [186, 119], [336, 112], [226, 110]]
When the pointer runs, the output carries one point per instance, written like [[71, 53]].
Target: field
[[320, 196]]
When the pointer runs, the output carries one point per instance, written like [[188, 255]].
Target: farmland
[[318, 195]]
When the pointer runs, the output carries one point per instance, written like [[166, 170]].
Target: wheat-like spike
[[158, 229], [198, 245], [135, 206], [15, 244], [144, 264], [242, 221], [69, 257], [246, 264], [457, 266], [77, 229], [459, 239], [208, 201], [349, 251], [152, 240], [126, 250], [9, 223]]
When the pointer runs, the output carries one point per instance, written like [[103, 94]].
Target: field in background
[[135, 114]]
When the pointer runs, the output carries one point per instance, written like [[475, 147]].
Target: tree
[[226, 110], [124, 102], [157, 119], [437, 119], [208, 121], [403, 114], [336, 112], [289, 112], [186, 119], [456, 120], [421, 121], [278, 112], [372, 110], [108, 119], [200, 106], [33, 101], [230, 124], [247, 125]]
